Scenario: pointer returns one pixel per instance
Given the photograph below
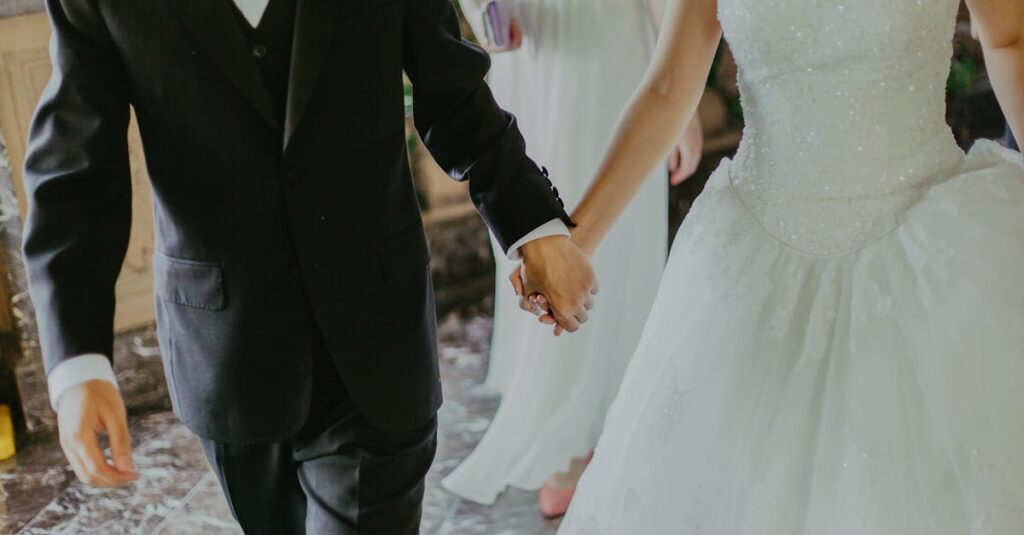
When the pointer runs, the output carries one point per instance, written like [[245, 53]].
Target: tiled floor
[[177, 494]]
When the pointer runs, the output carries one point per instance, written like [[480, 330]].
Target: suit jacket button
[[259, 51]]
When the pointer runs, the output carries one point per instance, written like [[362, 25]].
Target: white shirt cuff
[[77, 370], [555, 227]]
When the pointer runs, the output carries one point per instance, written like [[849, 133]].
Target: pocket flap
[[189, 282], [405, 249]]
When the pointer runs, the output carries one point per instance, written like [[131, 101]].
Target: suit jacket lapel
[[314, 25], [212, 23]]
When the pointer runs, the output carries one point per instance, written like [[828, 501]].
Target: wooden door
[[24, 71]]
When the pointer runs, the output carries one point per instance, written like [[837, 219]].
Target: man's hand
[[557, 270], [85, 411], [686, 156]]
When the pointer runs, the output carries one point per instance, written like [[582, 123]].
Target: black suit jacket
[[266, 228]]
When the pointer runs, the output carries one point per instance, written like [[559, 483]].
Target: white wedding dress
[[837, 347], [580, 63]]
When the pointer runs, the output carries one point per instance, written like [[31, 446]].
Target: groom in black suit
[[292, 277]]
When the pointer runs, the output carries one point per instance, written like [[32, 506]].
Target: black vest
[[270, 44]]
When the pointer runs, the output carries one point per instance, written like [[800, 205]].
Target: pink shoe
[[554, 502]]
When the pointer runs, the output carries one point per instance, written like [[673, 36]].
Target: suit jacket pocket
[[189, 282], [404, 254]]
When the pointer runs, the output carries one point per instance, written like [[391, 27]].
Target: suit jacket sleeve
[[78, 185], [466, 131]]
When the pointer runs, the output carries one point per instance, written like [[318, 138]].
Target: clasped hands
[[556, 283]]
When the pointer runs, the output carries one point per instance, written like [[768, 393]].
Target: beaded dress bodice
[[844, 103]]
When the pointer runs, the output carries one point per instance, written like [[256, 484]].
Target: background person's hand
[[515, 31], [686, 156], [84, 412]]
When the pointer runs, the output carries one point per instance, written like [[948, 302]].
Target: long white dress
[[581, 62], [837, 347]]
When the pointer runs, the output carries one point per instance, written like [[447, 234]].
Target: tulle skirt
[[876, 393]]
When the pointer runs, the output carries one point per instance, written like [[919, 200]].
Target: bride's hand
[[515, 34], [686, 156]]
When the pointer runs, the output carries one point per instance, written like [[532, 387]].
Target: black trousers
[[339, 475]]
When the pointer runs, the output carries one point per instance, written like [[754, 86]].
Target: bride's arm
[[659, 110], [685, 157], [657, 11], [1000, 26]]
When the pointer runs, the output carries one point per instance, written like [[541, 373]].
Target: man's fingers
[[589, 303], [94, 467], [85, 468], [95, 463], [77, 467], [72, 457], [120, 444], [84, 412], [674, 159]]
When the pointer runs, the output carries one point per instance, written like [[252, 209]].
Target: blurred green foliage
[[962, 75]]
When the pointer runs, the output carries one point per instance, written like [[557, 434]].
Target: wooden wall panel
[[24, 71]]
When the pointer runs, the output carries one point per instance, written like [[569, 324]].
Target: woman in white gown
[[579, 63], [837, 346]]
